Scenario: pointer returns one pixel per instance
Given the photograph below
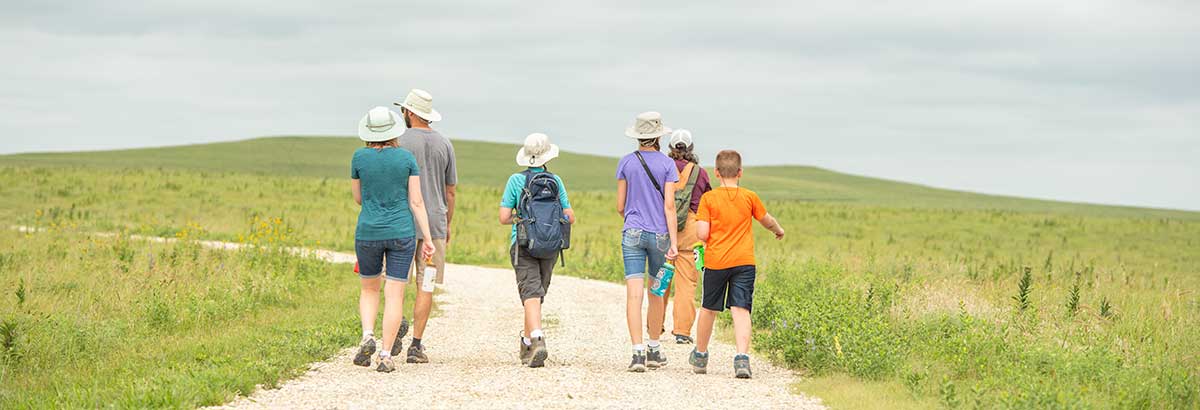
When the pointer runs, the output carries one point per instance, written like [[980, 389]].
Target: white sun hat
[[681, 136], [537, 151], [380, 124], [420, 102], [648, 125]]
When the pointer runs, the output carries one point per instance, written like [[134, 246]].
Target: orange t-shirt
[[730, 213]]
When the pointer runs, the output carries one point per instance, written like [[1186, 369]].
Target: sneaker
[[416, 354], [699, 362], [684, 340], [655, 358], [525, 351], [398, 345], [638, 364], [537, 357], [366, 349], [741, 366], [386, 365]]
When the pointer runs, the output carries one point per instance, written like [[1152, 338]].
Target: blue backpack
[[542, 229]]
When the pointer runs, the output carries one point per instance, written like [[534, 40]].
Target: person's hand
[[447, 234], [427, 249], [672, 253], [779, 234]]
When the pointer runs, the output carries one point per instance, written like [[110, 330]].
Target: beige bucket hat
[[537, 151], [380, 124], [420, 102], [648, 125]]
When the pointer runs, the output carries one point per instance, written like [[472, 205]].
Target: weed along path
[[472, 345]]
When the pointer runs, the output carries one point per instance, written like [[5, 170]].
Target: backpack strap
[[648, 173]]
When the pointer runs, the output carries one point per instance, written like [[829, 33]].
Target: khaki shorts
[[439, 262]]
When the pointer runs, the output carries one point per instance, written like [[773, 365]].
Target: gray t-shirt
[[435, 158]]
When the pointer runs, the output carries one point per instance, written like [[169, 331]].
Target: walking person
[[535, 203], [435, 157], [646, 199], [694, 183], [385, 183]]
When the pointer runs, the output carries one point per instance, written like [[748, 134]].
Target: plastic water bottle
[[427, 282], [663, 279], [698, 249]]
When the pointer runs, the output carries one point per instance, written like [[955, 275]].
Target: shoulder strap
[[648, 173]]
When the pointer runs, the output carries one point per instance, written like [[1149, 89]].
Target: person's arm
[[417, 205], [451, 192], [702, 231], [565, 201], [772, 225], [621, 186], [702, 220], [356, 189], [506, 216], [669, 208]]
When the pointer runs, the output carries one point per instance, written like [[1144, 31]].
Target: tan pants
[[439, 262], [683, 285]]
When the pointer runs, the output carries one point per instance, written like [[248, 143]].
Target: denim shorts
[[640, 248], [398, 252]]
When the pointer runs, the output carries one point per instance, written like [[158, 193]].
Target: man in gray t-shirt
[[435, 158]]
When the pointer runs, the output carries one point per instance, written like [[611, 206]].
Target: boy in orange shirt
[[723, 222]]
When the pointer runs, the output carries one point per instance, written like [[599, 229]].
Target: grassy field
[[882, 289]]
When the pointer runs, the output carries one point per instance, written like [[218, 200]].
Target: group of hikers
[[405, 177]]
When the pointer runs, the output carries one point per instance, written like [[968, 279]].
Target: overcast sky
[[1081, 100]]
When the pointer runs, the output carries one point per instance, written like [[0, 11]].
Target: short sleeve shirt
[[644, 208], [383, 175], [435, 156], [730, 213], [516, 184]]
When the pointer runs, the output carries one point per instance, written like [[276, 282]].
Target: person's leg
[[656, 312], [684, 311], [741, 328], [635, 273], [423, 305], [712, 303], [740, 301], [704, 329], [368, 303], [370, 261], [399, 256]]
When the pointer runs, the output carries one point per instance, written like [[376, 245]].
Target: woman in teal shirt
[[381, 177]]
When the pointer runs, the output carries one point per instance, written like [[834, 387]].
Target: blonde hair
[[729, 162]]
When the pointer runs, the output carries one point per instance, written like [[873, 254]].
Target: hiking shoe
[[699, 362], [366, 349], [638, 364], [416, 354], [684, 340], [386, 365], [398, 345], [538, 353], [655, 358], [525, 351], [741, 366]]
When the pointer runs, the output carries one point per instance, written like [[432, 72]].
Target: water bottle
[[698, 249], [663, 279], [427, 282]]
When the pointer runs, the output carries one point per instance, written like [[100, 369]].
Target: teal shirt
[[384, 178], [512, 193]]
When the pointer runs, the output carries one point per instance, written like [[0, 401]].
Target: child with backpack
[[535, 203], [723, 222]]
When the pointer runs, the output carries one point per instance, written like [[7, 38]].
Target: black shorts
[[724, 288]]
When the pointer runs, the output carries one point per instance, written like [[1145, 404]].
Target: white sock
[[526, 341], [536, 333], [384, 354], [368, 333], [639, 348], [653, 344]]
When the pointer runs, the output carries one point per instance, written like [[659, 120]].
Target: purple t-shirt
[[643, 203]]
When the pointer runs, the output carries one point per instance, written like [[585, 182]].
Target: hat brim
[[431, 116], [632, 133], [366, 134], [538, 160]]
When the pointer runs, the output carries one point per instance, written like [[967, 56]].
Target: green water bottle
[[698, 249]]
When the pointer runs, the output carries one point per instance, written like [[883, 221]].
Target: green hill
[[488, 163]]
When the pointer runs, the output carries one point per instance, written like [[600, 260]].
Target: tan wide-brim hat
[[420, 102], [537, 151], [648, 125], [380, 124]]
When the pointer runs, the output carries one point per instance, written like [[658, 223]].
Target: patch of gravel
[[472, 346]]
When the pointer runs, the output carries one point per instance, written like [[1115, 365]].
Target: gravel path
[[472, 345]]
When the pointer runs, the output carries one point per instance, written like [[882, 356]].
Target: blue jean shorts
[[398, 253], [641, 248]]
